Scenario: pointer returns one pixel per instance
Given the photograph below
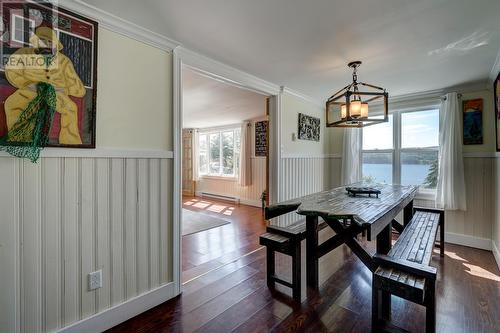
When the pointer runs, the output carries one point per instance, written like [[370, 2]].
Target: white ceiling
[[208, 103], [406, 46]]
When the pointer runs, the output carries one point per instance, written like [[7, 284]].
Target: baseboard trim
[[470, 241], [254, 203], [248, 202], [496, 253], [119, 313]]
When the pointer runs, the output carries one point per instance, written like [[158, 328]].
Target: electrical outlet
[[95, 280]]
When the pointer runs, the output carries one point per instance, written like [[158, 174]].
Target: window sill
[[228, 179], [426, 195]]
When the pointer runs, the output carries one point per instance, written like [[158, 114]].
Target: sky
[[418, 130]]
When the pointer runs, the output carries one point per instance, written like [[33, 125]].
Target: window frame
[[220, 174], [397, 149]]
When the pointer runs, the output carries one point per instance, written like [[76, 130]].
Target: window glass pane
[[214, 153], [378, 136], [377, 167], [419, 168], [420, 129], [227, 153], [203, 155]]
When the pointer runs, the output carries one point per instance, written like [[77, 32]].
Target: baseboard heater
[[220, 197]]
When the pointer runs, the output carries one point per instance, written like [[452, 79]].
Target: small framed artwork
[[473, 121], [309, 127], [496, 95], [261, 138]]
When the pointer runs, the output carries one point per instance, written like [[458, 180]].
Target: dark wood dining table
[[349, 216]]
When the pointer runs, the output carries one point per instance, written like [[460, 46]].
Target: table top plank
[[369, 212]]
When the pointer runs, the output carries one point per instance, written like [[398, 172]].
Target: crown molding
[[437, 93], [305, 97], [119, 25], [225, 73]]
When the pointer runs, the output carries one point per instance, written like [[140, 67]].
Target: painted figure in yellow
[[23, 71]]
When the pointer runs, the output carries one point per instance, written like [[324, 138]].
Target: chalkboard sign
[[261, 138]]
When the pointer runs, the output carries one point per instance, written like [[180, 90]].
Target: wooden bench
[[286, 240], [405, 270]]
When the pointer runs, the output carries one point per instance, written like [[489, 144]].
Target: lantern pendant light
[[346, 108]]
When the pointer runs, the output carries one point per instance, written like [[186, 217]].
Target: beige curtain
[[246, 155], [351, 157], [195, 158], [450, 193]]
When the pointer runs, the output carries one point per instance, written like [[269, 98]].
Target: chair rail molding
[[102, 153]]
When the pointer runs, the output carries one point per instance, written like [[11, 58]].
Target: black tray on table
[[354, 191]]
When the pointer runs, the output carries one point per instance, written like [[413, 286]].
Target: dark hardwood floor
[[209, 249], [231, 294]]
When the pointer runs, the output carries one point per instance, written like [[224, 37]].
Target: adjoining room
[[224, 171]]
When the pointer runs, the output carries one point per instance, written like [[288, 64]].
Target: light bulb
[[343, 111], [355, 108]]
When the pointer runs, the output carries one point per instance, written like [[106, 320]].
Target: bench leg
[[270, 267], [296, 274], [407, 213], [441, 234], [311, 248], [375, 307], [430, 308], [384, 246]]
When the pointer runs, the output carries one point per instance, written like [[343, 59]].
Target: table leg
[[408, 213], [311, 250], [384, 246]]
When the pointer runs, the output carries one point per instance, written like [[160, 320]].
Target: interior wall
[[134, 96], [65, 217], [496, 205], [306, 166], [248, 195]]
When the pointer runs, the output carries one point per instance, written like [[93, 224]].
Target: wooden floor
[[209, 249], [234, 297]]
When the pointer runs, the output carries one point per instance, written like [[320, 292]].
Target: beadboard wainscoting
[[248, 195], [303, 175], [65, 217], [473, 227]]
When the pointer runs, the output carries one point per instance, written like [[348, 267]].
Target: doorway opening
[[225, 172]]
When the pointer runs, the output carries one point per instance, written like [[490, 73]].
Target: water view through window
[[417, 147]]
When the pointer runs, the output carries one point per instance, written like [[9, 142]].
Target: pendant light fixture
[[350, 106]]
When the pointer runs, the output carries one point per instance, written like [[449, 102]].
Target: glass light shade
[[364, 110], [343, 111], [355, 108]]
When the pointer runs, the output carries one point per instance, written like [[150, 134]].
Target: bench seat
[[405, 270]]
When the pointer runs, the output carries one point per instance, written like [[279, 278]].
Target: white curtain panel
[[246, 155], [351, 156], [196, 156], [450, 194]]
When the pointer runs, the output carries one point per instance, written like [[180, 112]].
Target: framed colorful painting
[[496, 95], [473, 122], [49, 60]]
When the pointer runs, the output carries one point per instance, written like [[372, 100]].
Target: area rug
[[193, 222]]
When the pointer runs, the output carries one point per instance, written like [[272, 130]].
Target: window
[[219, 153], [17, 28], [403, 150]]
